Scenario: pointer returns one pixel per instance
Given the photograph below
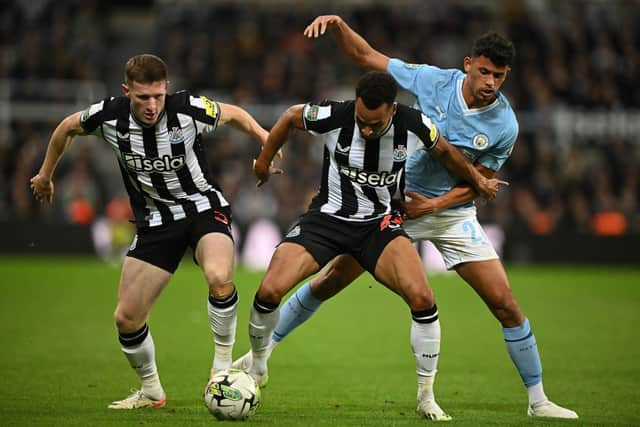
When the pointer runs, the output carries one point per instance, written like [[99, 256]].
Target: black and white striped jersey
[[360, 177], [163, 166]]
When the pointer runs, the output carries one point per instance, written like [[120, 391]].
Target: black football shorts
[[165, 245], [325, 237]]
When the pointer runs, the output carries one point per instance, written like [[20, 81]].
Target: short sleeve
[[421, 125], [205, 111], [93, 117], [416, 78], [322, 117], [431, 133]]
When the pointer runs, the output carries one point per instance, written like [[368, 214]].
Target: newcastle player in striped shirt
[[157, 138], [366, 145]]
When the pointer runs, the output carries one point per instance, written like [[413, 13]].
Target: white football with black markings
[[232, 394]]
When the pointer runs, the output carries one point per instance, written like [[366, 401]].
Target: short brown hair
[[145, 68]]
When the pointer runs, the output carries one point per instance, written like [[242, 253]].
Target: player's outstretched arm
[[61, 138], [419, 205], [290, 119], [243, 121], [457, 163], [351, 43]]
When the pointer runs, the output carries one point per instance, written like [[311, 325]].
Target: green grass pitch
[[351, 365]]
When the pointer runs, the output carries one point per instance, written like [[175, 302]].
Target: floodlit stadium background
[[573, 201], [574, 172]]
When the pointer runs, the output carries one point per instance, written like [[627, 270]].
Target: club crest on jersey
[[137, 163], [400, 153], [175, 135], [480, 141], [295, 231]]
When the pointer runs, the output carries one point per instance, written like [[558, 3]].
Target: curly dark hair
[[495, 47], [376, 88]]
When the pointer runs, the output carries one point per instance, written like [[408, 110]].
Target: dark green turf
[[60, 362]]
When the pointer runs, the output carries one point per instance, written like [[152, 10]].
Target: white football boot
[[548, 409], [137, 400], [245, 362]]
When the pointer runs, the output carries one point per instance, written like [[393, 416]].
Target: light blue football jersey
[[485, 135]]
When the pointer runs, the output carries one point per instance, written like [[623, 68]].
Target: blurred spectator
[[581, 56], [113, 234], [78, 191]]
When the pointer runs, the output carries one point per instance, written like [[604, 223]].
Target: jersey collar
[[386, 129], [391, 119]]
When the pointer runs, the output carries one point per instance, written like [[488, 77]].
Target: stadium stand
[[575, 168]]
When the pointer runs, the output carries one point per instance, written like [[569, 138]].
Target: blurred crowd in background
[[575, 166]]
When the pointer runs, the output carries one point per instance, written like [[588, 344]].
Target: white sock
[[222, 357], [536, 394], [425, 388], [262, 322], [142, 358], [425, 342], [223, 318]]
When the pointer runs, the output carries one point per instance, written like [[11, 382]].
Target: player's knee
[[218, 278], [270, 294], [420, 298], [506, 309], [128, 320]]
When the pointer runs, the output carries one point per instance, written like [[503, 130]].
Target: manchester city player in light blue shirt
[[473, 115], [485, 129]]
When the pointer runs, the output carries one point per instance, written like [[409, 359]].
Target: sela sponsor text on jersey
[[372, 179], [138, 163]]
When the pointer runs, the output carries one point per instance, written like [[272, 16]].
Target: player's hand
[[319, 25], [418, 205], [488, 188], [263, 173], [42, 189]]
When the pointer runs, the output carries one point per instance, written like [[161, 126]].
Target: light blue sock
[[295, 311], [522, 347]]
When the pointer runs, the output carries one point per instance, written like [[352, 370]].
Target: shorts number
[[476, 237]]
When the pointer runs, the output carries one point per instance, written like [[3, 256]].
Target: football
[[232, 395]]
